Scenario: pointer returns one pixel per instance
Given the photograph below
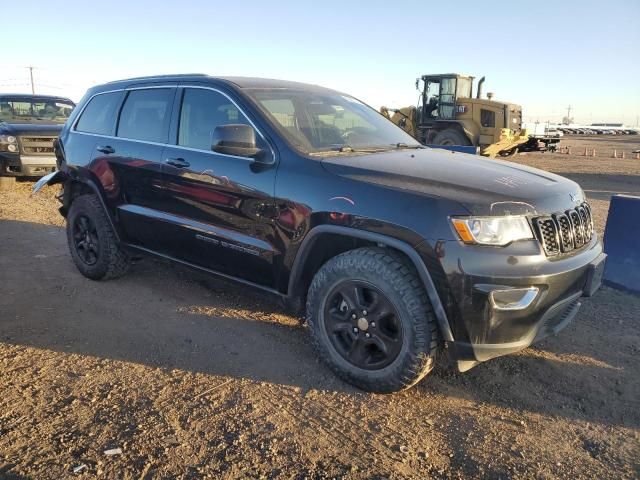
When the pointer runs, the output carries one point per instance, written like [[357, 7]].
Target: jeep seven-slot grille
[[563, 232], [37, 145]]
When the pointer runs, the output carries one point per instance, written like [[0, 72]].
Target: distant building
[[606, 124]]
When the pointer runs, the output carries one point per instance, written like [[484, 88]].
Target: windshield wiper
[[373, 149], [350, 149], [404, 145]]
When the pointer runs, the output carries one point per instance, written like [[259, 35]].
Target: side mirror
[[235, 139]]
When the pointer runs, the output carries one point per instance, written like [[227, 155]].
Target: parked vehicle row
[[395, 251], [597, 131]]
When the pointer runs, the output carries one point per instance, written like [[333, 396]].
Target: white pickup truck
[[542, 137]]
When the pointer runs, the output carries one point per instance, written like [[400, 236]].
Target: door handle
[[105, 149], [177, 162]]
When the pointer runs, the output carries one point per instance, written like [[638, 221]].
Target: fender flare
[[96, 190], [425, 276], [64, 177]]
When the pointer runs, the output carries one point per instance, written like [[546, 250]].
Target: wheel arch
[[306, 264], [76, 185]]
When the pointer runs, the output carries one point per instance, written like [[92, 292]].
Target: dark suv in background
[[397, 250], [29, 124]]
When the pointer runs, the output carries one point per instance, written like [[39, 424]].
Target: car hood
[[483, 186], [30, 128]]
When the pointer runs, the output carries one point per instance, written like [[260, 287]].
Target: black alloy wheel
[[85, 238], [363, 325]]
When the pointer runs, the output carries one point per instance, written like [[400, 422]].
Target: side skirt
[[139, 249]]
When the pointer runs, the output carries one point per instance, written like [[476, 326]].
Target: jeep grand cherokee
[[397, 250], [29, 124]]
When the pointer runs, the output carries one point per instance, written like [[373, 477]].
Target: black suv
[[397, 250], [29, 124]]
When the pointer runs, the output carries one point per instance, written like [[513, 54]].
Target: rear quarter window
[[99, 115]]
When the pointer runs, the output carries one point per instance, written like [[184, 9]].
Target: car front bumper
[[482, 330], [20, 165]]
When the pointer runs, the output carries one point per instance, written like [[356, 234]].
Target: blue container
[[622, 243]]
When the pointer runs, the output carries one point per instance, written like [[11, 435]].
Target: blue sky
[[543, 55]]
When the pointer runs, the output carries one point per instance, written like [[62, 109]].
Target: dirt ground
[[193, 377]]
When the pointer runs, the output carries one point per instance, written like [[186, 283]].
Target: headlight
[[8, 143], [497, 231]]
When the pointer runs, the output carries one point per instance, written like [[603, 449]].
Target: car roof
[[238, 82]]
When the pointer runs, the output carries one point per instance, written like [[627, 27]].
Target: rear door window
[[99, 115], [145, 115]]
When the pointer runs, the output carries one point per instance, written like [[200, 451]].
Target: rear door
[[134, 158], [221, 206]]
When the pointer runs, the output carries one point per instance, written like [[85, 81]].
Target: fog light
[[12, 148], [513, 298]]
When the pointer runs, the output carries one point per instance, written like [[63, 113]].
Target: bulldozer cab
[[440, 94]]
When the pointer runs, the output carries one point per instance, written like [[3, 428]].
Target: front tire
[[92, 242], [371, 320]]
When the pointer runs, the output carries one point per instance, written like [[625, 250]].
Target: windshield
[[34, 110], [316, 122]]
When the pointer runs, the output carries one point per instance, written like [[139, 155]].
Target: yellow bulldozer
[[448, 114]]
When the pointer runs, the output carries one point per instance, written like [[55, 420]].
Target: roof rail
[[150, 77]]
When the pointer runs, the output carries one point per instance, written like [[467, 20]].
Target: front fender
[[54, 177], [377, 238]]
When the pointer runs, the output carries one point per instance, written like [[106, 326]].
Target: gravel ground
[[192, 377]]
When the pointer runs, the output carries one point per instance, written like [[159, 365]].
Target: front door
[[221, 206]]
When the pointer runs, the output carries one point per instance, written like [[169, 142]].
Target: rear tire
[[383, 338], [92, 242], [450, 136]]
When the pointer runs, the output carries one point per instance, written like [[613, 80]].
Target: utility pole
[[33, 89]]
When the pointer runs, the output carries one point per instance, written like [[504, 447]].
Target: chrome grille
[[548, 235], [37, 145], [576, 225], [563, 232]]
